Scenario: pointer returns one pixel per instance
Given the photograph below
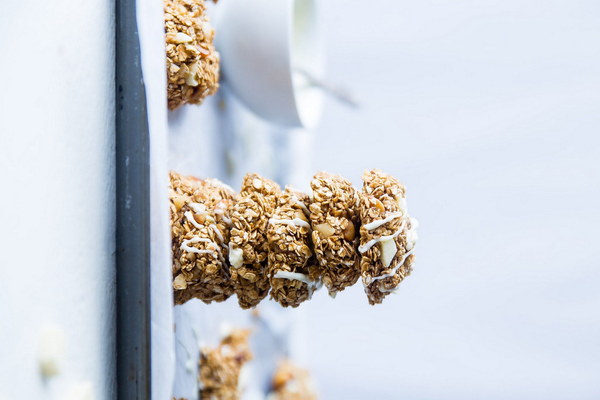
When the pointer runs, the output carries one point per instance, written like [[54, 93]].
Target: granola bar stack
[[287, 242]]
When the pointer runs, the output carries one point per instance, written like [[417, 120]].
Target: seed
[[349, 232]]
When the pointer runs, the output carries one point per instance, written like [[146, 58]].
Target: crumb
[[51, 351], [387, 235], [248, 247], [192, 61], [334, 220]]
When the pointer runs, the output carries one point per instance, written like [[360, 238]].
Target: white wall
[[57, 204], [488, 111]]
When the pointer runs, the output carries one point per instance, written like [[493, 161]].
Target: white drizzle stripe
[[218, 232], [296, 276], [185, 245], [302, 205], [295, 221], [377, 223], [393, 271], [363, 248], [190, 217], [198, 208]]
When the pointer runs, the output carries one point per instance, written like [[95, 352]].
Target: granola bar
[[192, 61], [220, 367], [334, 219], [387, 235], [248, 247], [292, 269], [292, 383], [199, 232]]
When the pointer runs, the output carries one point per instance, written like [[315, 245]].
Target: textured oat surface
[[288, 242], [292, 383], [290, 251], [192, 61], [387, 235], [248, 243], [199, 240], [220, 367], [334, 220]]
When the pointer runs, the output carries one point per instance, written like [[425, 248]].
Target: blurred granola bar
[[220, 367], [192, 61]]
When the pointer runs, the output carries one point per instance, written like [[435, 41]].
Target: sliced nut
[[301, 215], [236, 257], [388, 252], [325, 230], [180, 37], [190, 78], [200, 218], [379, 205], [179, 201], [179, 282]]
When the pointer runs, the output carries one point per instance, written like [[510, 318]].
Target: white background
[[57, 208], [489, 112]]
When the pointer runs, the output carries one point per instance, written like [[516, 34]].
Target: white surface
[[151, 32], [263, 44], [57, 204], [489, 112]]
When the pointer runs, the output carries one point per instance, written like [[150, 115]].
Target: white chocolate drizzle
[[220, 211], [377, 223], [198, 208], [190, 217], [296, 276], [393, 271], [302, 206], [185, 245], [217, 232], [365, 247], [295, 221], [411, 235]]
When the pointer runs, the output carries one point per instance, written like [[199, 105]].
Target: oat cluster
[[287, 242], [220, 367], [192, 61], [291, 382]]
